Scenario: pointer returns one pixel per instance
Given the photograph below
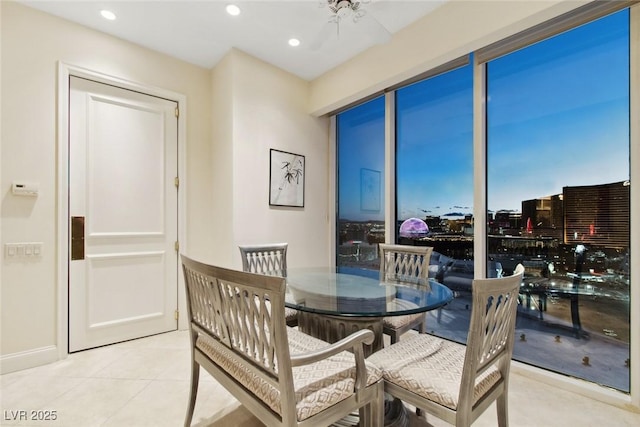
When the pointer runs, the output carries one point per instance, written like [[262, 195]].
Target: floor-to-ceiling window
[[558, 188], [434, 163], [360, 182], [558, 194], [434, 184]]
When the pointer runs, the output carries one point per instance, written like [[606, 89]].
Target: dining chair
[[271, 260], [283, 376], [452, 381], [410, 265]]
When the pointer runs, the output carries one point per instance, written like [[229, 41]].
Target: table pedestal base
[[395, 415], [334, 328]]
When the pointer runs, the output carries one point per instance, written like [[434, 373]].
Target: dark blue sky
[[558, 115]]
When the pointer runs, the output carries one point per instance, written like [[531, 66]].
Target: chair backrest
[[269, 259], [491, 331], [232, 308], [407, 264]]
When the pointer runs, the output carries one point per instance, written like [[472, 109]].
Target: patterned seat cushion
[[396, 322], [430, 367], [317, 386], [290, 313]]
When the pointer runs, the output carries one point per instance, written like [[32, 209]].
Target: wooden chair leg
[[377, 408], [195, 378], [503, 409], [394, 337], [365, 415]]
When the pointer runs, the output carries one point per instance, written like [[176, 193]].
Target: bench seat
[[239, 335], [318, 386]]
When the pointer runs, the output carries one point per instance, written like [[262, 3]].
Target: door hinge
[[177, 112], [176, 245], [176, 314], [176, 182]]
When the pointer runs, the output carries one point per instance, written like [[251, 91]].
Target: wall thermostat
[[21, 188]]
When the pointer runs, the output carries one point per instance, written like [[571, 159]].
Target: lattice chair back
[[238, 334], [269, 259], [204, 301], [232, 307], [408, 264], [491, 332]]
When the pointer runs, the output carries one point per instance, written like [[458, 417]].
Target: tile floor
[[146, 383]]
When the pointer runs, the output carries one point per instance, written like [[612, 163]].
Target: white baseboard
[[28, 359]]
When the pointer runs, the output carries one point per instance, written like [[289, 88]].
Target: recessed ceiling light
[[233, 10], [294, 42], [107, 14]]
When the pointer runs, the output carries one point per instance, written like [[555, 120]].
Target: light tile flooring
[[146, 383]]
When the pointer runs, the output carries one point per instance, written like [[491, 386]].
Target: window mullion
[[479, 169]]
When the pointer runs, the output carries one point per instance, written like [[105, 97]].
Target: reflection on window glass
[[434, 185], [558, 194], [434, 166], [360, 159]]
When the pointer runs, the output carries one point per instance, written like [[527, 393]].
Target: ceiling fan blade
[[328, 30], [379, 33]]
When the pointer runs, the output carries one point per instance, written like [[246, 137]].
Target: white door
[[123, 201]]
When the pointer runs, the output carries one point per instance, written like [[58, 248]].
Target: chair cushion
[[396, 322], [290, 313], [317, 386], [431, 368]]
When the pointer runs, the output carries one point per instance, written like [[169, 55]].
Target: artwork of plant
[[293, 170], [287, 179]]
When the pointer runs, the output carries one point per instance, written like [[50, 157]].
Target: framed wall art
[[286, 179]]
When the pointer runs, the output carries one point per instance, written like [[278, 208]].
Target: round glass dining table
[[332, 304]]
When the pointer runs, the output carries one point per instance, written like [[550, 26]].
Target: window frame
[[581, 15]]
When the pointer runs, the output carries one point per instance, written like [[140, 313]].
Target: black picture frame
[[286, 178]]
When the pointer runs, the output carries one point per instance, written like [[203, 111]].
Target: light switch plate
[[22, 250]]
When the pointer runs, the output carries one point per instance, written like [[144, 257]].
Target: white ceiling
[[201, 32]]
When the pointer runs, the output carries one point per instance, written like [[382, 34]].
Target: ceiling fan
[[343, 9], [348, 12]]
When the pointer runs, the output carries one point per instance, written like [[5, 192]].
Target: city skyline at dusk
[[558, 115], [557, 164]]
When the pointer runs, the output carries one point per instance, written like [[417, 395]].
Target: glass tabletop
[[327, 291]]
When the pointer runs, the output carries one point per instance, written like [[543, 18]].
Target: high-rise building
[[597, 214], [544, 216]]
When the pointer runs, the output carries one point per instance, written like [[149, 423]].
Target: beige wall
[[270, 111], [452, 30], [32, 45], [235, 113], [264, 107], [221, 189]]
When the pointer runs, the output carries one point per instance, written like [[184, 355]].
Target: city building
[[597, 215]]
